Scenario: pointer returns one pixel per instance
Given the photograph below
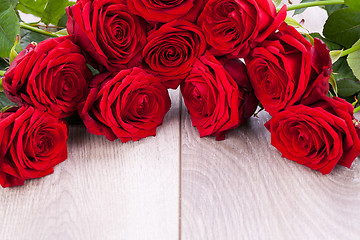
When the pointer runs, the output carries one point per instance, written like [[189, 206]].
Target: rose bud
[[286, 70], [166, 11], [218, 98], [128, 105], [52, 76], [32, 143], [109, 34], [318, 136], [231, 27], [172, 50]]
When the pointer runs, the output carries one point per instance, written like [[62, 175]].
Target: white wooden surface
[[177, 185], [241, 188]]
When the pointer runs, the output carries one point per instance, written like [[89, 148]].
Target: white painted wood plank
[[241, 188], [105, 190]]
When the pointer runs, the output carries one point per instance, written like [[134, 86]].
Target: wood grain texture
[[241, 188], [105, 190]]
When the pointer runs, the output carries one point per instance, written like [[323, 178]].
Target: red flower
[[172, 50], [318, 136], [51, 76], [231, 27], [286, 69], [128, 105], [218, 98], [165, 11], [32, 142], [110, 35]]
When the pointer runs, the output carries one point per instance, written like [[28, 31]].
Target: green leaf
[[331, 45], [276, 2], [9, 27], [342, 70], [54, 11], [63, 20], [62, 32], [13, 52], [34, 7], [309, 38], [4, 109], [353, 4], [4, 101], [28, 36], [332, 82], [14, 3], [332, 8], [335, 55], [294, 23], [353, 60], [348, 87], [343, 27], [93, 70], [50, 11], [4, 64]]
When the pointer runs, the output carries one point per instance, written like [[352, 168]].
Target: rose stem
[[350, 50], [38, 30], [313, 4]]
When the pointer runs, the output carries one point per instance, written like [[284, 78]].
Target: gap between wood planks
[[180, 171]]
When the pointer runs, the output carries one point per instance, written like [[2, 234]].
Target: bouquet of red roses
[[114, 65]]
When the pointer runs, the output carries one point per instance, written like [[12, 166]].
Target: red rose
[[231, 27], [286, 69], [318, 136], [108, 32], [218, 98], [172, 50], [238, 72], [51, 76], [32, 142], [128, 105], [165, 11]]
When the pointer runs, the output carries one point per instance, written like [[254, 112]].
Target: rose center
[[66, 87], [226, 9], [197, 101], [119, 31], [171, 54], [43, 144], [303, 140], [269, 87], [142, 105]]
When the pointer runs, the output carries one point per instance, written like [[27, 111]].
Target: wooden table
[[177, 185]]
